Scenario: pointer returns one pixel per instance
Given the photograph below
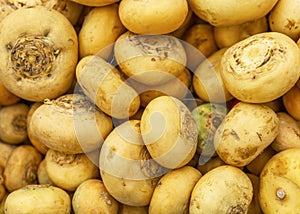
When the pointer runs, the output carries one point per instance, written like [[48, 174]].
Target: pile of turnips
[[143, 106]]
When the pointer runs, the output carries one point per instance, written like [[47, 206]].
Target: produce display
[[146, 106]]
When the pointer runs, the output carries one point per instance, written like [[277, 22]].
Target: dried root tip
[[31, 174], [189, 130], [238, 209], [20, 123], [48, 102], [62, 158], [280, 194], [153, 45], [270, 52], [32, 57], [74, 102], [150, 167]]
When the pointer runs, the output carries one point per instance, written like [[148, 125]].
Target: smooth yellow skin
[[70, 130], [279, 190], [124, 169], [284, 18], [245, 132], [288, 135], [200, 39], [172, 192], [207, 80], [38, 199], [231, 12], [42, 175], [228, 187], [6, 97], [100, 29], [104, 85], [151, 16], [13, 123], [91, 196], [291, 102], [201, 36], [5, 151], [189, 19], [169, 132], [68, 171], [21, 167], [42, 148]]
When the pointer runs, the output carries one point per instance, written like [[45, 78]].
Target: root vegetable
[[100, 28], [42, 148], [68, 171], [38, 60], [245, 132], [151, 17], [42, 174], [5, 152], [91, 196], [284, 18], [150, 59], [169, 132], [228, 187], [279, 183], [229, 35], [13, 127], [208, 117], [126, 167], [38, 199], [188, 21], [21, 168], [207, 81], [70, 124], [270, 59], [231, 12], [202, 38], [6, 97], [69, 9], [291, 102], [105, 86], [173, 190], [289, 133]]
